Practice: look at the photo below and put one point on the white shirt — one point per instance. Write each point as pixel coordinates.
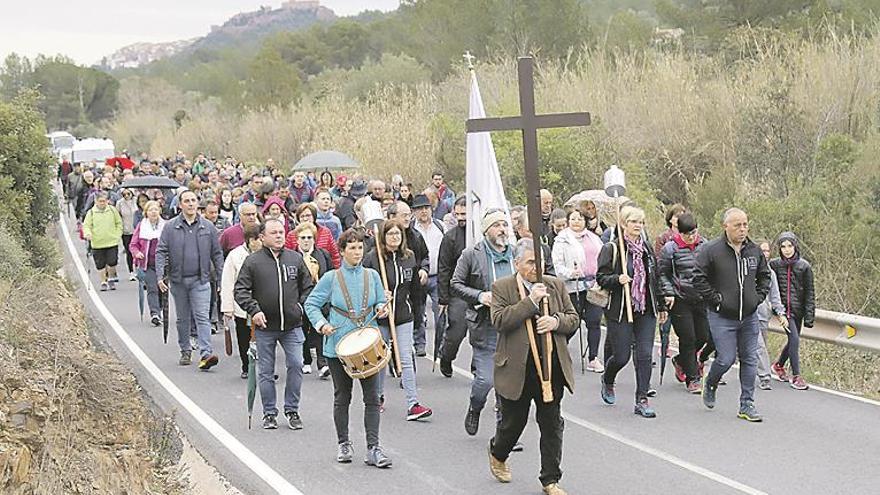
(433, 236)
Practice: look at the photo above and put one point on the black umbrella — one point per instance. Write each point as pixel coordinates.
(150, 182)
(439, 335)
(325, 160)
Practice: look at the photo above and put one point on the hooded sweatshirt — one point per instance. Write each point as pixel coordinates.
(275, 200)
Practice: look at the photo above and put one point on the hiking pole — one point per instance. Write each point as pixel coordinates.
(579, 309)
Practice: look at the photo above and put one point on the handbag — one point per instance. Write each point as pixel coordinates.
(598, 296)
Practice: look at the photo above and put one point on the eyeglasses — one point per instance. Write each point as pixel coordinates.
(396, 233)
(305, 237)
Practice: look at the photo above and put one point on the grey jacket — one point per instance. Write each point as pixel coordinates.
(172, 244)
(469, 280)
(772, 304)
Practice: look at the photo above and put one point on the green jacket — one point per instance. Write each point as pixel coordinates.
(105, 227)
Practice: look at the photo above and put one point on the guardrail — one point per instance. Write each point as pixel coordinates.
(858, 332)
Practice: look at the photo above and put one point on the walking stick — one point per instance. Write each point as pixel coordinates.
(579, 309)
(380, 251)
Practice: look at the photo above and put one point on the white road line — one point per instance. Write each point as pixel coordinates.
(817, 388)
(647, 449)
(236, 448)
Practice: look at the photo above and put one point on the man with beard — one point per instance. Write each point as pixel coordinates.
(478, 268)
(451, 247)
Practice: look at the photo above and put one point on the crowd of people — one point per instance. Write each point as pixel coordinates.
(297, 261)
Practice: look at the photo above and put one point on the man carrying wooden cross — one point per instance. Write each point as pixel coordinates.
(519, 316)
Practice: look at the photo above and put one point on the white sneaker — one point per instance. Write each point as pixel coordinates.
(132, 277)
(307, 369)
(596, 366)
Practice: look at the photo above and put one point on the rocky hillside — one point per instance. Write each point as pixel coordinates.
(246, 28)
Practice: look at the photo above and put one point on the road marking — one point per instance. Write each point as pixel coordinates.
(647, 449)
(236, 448)
(817, 388)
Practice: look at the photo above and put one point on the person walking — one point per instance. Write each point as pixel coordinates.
(272, 285)
(127, 207)
(477, 269)
(233, 314)
(575, 260)
(102, 229)
(686, 307)
(733, 277)
(796, 289)
(366, 300)
(189, 248)
(306, 213)
(432, 232)
(517, 310)
(771, 307)
(451, 247)
(144, 242)
(318, 262)
(641, 281)
(400, 271)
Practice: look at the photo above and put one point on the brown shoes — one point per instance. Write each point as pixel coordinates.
(499, 469)
(554, 489)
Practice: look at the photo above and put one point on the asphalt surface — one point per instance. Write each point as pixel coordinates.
(809, 443)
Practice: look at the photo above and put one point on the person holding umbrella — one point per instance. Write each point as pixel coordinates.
(232, 312)
(575, 255)
(400, 268)
(144, 241)
(272, 285)
(647, 307)
(368, 301)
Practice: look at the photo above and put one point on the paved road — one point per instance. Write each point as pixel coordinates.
(810, 442)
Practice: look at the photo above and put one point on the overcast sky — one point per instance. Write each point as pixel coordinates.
(87, 30)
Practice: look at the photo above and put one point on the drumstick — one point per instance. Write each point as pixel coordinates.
(380, 252)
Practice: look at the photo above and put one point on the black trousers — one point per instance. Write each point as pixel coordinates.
(515, 415)
(129, 259)
(342, 385)
(691, 325)
(314, 340)
(243, 335)
(456, 328)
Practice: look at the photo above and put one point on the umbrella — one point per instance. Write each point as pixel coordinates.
(141, 277)
(163, 299)
(664, 348)
(150, 182)
(252, 375)
(439, 334)
(325, 160)
(606, 206)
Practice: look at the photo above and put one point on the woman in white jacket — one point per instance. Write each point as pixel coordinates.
(575, 256)
(231, 310)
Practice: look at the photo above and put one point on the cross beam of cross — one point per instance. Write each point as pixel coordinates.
(529, 123)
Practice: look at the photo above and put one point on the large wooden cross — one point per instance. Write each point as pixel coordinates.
(529, 123)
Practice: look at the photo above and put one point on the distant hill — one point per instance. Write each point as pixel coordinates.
(246, 28)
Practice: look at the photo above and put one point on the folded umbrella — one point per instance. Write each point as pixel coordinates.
(141, 278)
(252, 375)
(664, 348)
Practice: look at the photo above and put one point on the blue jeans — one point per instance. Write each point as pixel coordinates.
(152, 283)
(192, 301)
(291, 342)
(483, 367)
(404, 345)
(732, 338)
(431, 289)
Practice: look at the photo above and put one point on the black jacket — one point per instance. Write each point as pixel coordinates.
(403, 281)
(796, 289)
(277, 287)
(416, 243)
(676, 268)
(732, 284)
(345, 212)
(454, 242)
(608, 272)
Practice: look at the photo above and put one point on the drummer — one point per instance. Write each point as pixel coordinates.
(364, 302)
(403, 281)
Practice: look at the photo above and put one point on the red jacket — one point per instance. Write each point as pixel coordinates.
(324, 241)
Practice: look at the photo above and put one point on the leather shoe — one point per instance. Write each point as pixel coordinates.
(499, 469)
(446, 368)
(472, 422)
(554, 489)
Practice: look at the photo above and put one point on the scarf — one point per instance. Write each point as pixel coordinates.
(682, 244)
(495, 258)
(639, 278)
(148, 232)
(312, 264)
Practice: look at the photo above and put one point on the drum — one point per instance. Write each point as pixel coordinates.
(363, 352)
